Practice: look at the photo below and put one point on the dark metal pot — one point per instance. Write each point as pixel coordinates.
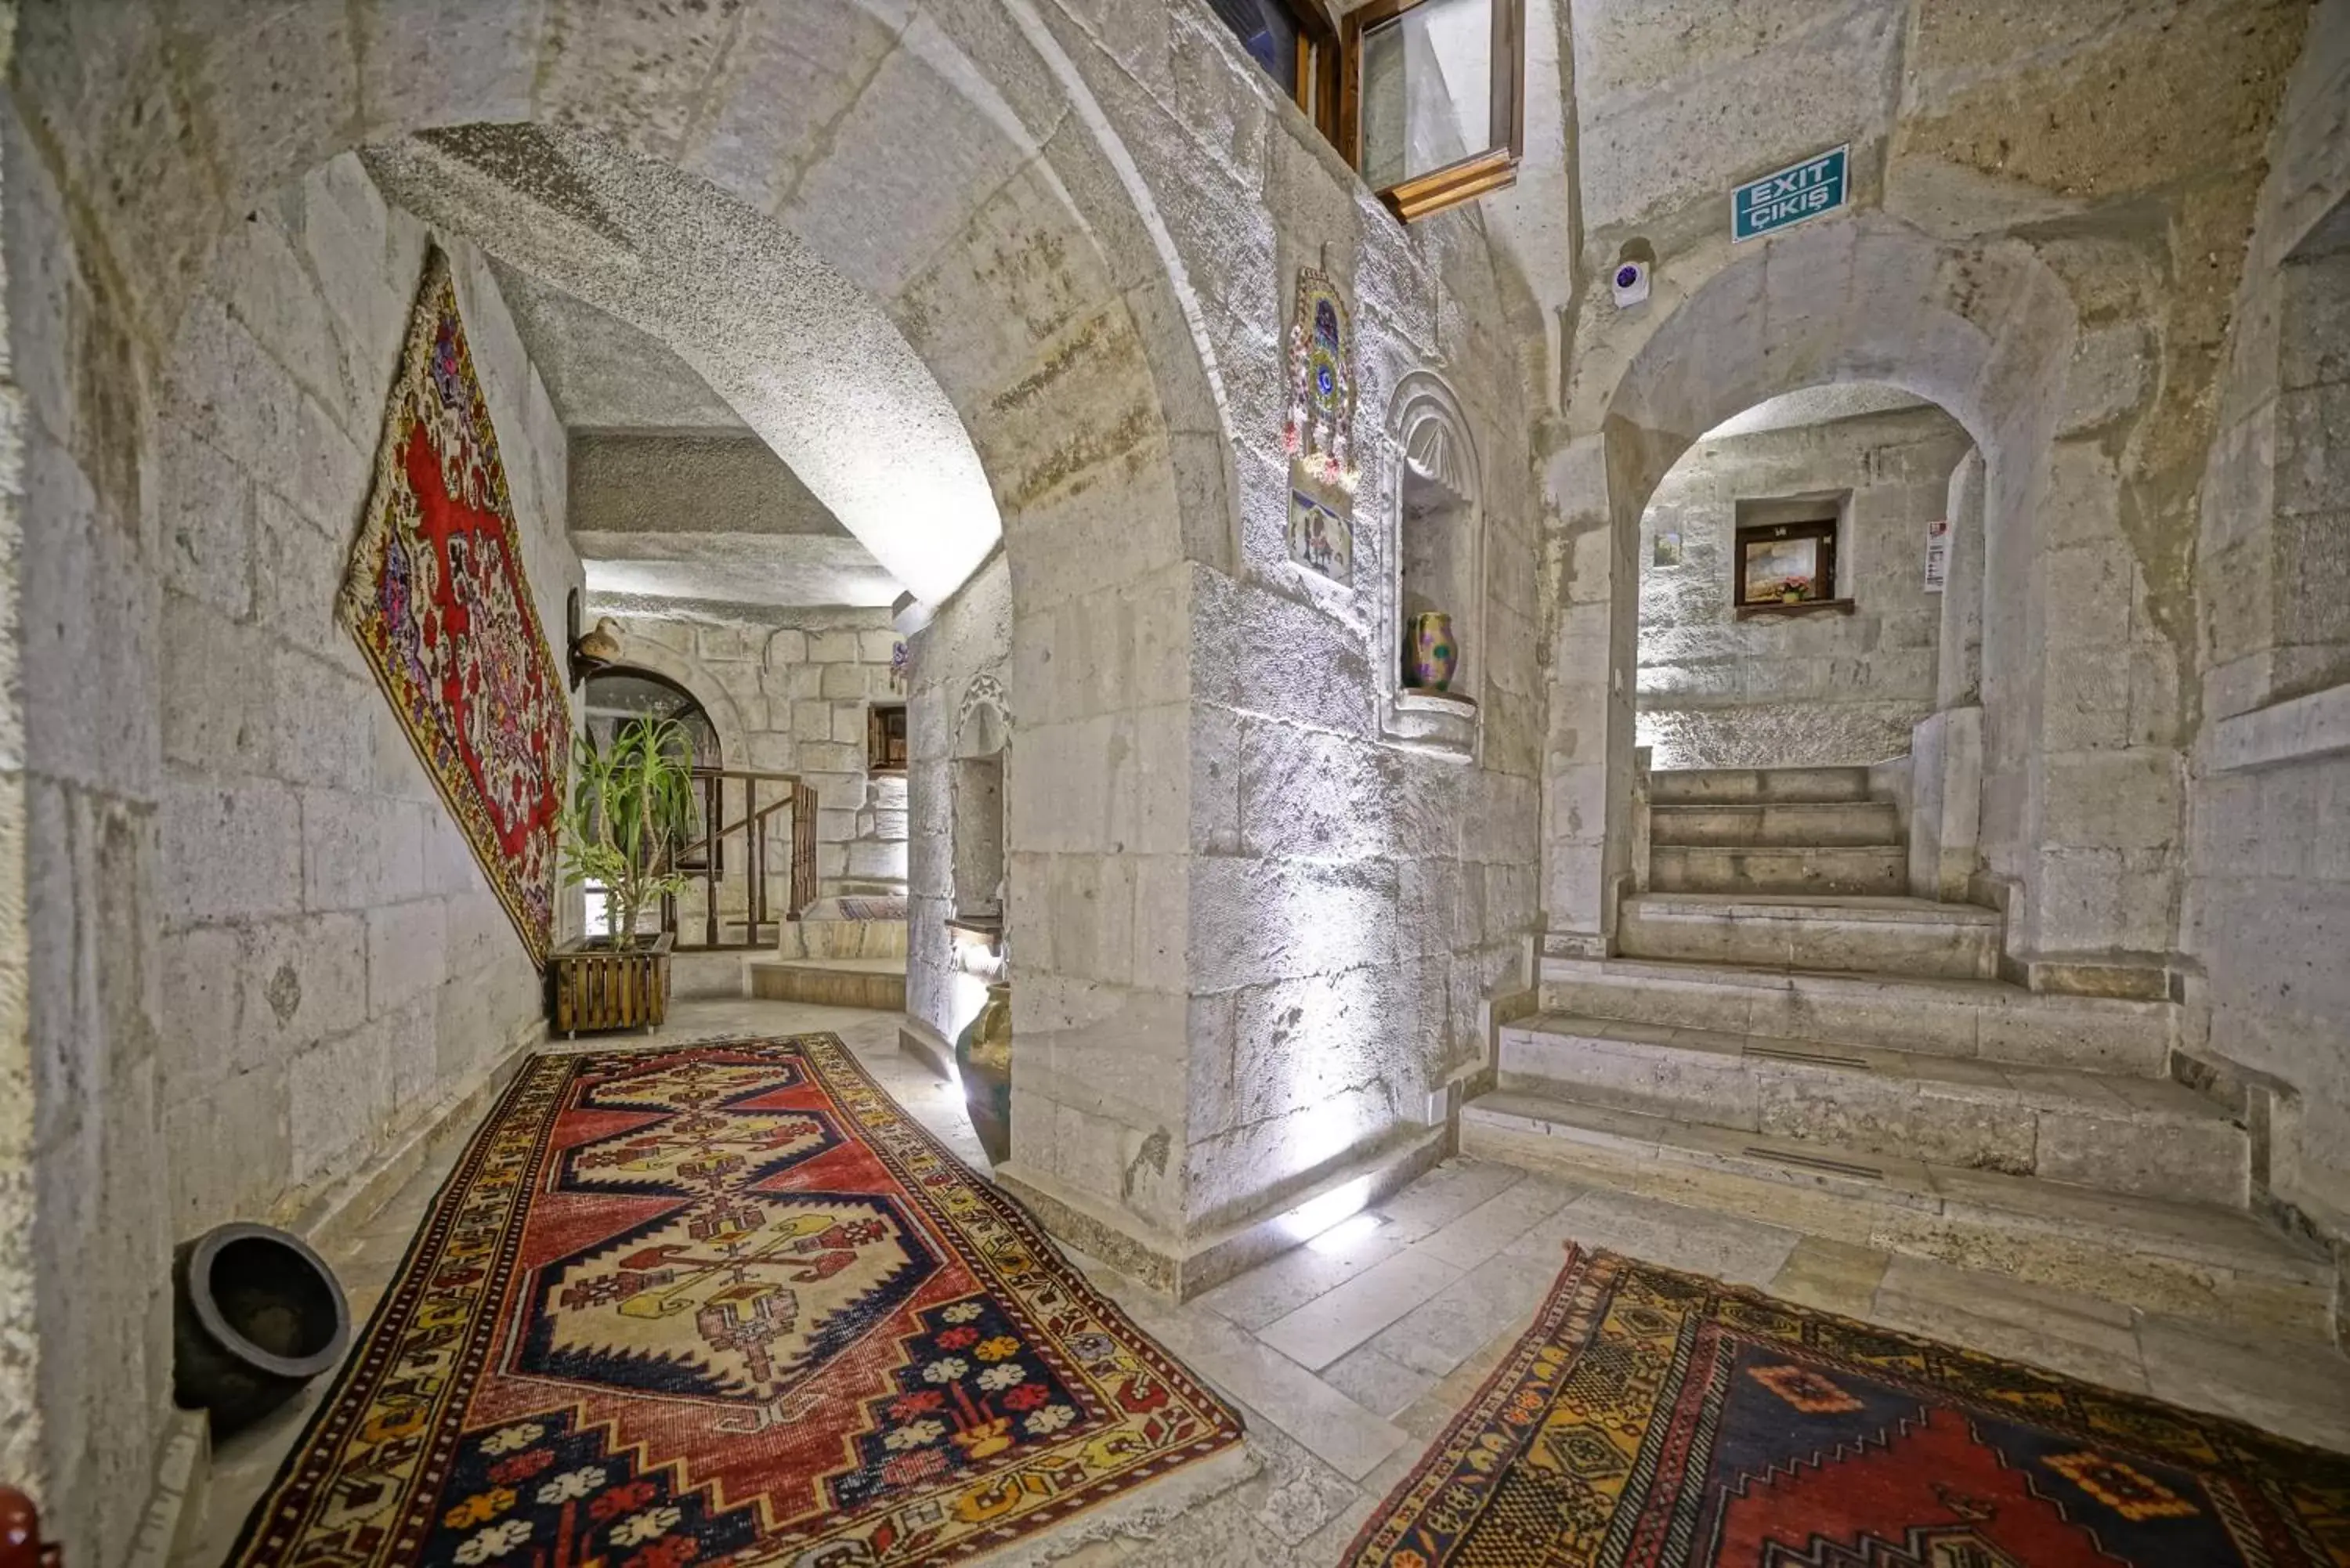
(256, 1314)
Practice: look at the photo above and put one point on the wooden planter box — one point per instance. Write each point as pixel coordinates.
(594, 987)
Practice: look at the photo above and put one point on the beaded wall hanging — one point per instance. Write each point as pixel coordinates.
(1318, 434)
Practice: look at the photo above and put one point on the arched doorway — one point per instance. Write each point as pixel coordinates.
(148, 274)
(1787, 614)
(622, 694)
(1985, 338)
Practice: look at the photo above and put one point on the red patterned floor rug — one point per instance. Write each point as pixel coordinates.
(1658, 1419)
(723, 1303)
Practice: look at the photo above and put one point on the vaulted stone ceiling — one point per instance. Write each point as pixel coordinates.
(1817, 406)
(677, 507)
(804, 355)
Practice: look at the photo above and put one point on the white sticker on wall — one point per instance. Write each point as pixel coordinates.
(1937, 554)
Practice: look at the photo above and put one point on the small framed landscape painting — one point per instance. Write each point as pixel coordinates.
(1786, 564)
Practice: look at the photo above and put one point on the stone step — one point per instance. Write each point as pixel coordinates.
(1824, 870)
(1881, 936)
(1985, 1019)
(2144, 1135)
(1789, 823)
(1694, 786)
(2195, 1260)
(874, 983)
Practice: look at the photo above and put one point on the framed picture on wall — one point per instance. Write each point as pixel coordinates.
(1782, 564)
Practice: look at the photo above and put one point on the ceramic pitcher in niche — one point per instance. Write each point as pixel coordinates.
(1432, 655)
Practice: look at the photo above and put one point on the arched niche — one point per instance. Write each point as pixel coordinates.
(1434, 558)
(979, 795)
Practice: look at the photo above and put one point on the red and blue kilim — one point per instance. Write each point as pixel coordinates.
(723, 1303)
(435, 595)
(1654, 1419)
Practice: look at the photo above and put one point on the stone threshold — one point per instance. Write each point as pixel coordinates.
(2109, 1131)
(1967, 1017)
(1624, 968)
(1856, 909)
(2038, 1086)
(1181, 1269)
(2195, 1260)
(2124, 977)
(2301, 729)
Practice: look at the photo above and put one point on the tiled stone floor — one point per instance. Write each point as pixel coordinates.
(1348, 1354)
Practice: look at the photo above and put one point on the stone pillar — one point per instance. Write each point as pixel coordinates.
(1587, 760)
(1958, 671)
(1946, 756)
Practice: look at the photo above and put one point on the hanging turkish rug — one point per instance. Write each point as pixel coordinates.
(722, 1302)
(436, 596)
(1655, 1419)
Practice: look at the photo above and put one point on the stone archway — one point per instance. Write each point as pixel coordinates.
(688, 674)
(1985, 332)
(1018, 267)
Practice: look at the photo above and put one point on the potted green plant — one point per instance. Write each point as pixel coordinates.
(630, 810)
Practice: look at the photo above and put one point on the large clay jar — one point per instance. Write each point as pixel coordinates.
(1433, 656)
(984, 1060)
(256, 1315)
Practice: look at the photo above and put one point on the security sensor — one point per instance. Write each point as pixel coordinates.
(1631, 281)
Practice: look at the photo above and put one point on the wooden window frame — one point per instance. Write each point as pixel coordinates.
(1314, 85)
(1313, 75)
(1486, 170)
(877, 749)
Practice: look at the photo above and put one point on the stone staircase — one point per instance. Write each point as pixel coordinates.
(1777, 1044)
(1773, 831)
(1795, 868)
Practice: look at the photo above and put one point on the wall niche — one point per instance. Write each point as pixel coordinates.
(976, 803)
(1434, 555)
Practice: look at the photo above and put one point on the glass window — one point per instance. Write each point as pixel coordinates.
(618, 695)
(1269, 32)
(1430, 114)
(1427, 89)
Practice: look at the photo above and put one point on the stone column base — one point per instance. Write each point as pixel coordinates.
(928, 1046)
(1180, 1268)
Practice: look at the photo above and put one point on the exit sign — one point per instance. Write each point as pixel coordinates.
(1800, 191)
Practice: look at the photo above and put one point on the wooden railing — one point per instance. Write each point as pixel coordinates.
(732, 859)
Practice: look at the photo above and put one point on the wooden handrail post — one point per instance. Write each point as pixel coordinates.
(713, 803)
(756, 826)
(754, 861)
(803, 810)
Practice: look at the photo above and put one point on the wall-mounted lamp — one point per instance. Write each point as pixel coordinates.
(909, 615)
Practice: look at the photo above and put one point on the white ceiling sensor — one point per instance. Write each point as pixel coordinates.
(1631, 281)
